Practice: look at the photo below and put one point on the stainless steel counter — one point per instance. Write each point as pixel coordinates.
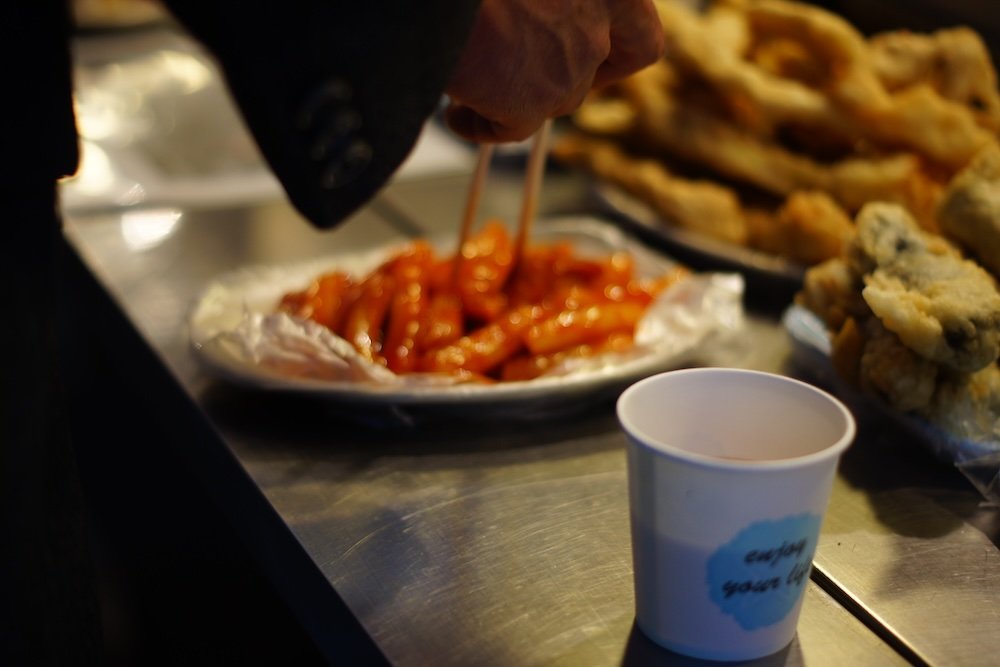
(453, 538)
(467, 541)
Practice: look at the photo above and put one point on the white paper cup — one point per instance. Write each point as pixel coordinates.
(729, 478)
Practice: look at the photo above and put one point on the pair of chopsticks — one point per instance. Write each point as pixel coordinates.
(529, 197)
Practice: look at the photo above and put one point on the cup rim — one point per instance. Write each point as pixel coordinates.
(833, 450)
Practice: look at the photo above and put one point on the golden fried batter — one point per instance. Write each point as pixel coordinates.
(812, 227)
(780, 101)
(955, 62)
(705, 136)
(703, 206)
(832, 290)
(943, 307)
(968, 405)
(850, 82)
(891, 370)
(846, 348)
(970, 210)
(899, 178)
(758, 98)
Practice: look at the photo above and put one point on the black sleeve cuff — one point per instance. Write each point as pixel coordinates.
(335, 93)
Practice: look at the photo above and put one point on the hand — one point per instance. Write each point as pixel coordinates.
(528, 60)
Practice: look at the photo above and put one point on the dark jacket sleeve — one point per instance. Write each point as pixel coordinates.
(335, 92)
(38, 144)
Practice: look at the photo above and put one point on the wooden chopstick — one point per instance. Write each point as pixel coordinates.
(534, 172)
(472, 204)
(532, 185)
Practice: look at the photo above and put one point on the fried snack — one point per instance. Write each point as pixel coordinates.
(943, 307)
(416, 313)
(945, 132)
(873, 359)
(954, 62)
(705, 136)
(968, 405)
(756, 97)
(919, 116)
(848, 99)
(912, 323)
(725, 23)
(847, 346)
(886, 367)
(811, 227)
(787, 59)
(970, 209)
(832, 290)
(850, 83)
(899, 178)
(606, 116)
(775, 98)
(702, 206)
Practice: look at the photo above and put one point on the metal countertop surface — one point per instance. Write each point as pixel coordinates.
(463, 540)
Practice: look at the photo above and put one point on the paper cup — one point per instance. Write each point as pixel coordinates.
(729, 477)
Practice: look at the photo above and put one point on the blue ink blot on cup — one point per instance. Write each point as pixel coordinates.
(758, 576)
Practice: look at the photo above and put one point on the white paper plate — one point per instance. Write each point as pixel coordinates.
(235, 315)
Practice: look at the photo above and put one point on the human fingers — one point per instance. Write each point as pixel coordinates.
(636, 40)
(469, 124)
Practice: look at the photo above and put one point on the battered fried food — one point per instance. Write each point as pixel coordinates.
(705, 136)
(873, 359)
(912, 322)
(703, 206)
(898, 178)
(891, 370)
(846, 96)
(808, 227)
(968, 406)
(955, 62)
(606, 116)
(813, 227)
(850, 83)
(943, 307)
(832, 290)
(785, 102)
(757, 98)
(970, 209)
(923, 120)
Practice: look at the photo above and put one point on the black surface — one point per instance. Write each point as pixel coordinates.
(195, 568)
